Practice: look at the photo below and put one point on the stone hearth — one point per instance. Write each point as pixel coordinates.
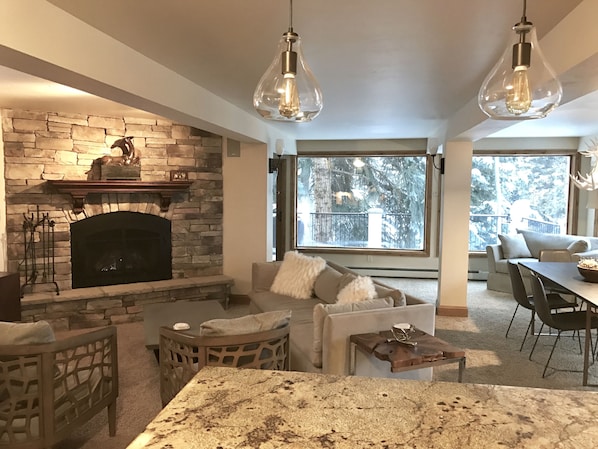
(114, 304)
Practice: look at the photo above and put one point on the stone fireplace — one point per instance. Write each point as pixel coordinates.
(187, 230)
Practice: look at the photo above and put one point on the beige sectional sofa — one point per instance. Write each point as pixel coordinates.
(529, 246)
(323, 345)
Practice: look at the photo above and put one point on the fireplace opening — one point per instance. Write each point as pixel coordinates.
(120, 248)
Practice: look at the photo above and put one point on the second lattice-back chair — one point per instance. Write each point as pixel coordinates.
(182, 354)
(50, 387)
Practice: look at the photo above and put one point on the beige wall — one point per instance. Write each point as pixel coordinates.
(247, 212)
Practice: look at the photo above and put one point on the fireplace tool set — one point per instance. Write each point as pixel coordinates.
(38, 237)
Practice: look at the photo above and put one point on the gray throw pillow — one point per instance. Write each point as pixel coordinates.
(514, 246)
(579, 246)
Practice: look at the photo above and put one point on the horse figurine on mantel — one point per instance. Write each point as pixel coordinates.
(130, 154)
(130, 158)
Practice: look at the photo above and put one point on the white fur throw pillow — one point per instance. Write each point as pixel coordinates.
(359, 289)
(297, 275)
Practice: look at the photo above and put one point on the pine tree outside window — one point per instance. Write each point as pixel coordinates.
(362, 201)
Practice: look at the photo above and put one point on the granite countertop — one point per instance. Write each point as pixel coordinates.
(225, 408)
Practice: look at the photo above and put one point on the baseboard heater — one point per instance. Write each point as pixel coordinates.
(414, 273)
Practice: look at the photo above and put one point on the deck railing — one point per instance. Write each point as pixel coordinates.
(352, 229)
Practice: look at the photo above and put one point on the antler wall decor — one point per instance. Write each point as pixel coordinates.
(590, 180)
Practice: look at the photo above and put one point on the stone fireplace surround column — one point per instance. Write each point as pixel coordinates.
(40, 145)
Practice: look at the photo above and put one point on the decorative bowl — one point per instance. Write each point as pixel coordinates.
(590, 275)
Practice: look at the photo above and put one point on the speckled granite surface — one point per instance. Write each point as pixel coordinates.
(230, 408)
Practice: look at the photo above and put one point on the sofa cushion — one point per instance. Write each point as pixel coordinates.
(247, 324)
(327, 284)
(537, 241)
(322, 310)
(360, 288)
(514, 246)
(297, 275)
(36, 333)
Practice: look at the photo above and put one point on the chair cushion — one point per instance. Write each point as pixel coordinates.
(297, 275)
(514, 246)
(322, 310)
(36, 333)
(246, 324)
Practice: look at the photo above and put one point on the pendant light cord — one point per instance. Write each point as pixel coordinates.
(523, 16)
(291, 16)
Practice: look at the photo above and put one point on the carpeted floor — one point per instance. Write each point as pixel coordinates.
(491, 359)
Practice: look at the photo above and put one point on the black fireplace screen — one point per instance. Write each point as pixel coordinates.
(120, 248)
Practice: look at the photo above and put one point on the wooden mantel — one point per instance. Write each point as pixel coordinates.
(79, 189)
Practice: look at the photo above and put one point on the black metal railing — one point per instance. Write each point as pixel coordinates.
(346, 229)
(340, 229)
(542, 226)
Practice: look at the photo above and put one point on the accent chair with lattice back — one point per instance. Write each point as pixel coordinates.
(259, 341)
(49, 387)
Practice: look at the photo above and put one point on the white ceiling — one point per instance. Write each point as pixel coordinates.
(387, 68)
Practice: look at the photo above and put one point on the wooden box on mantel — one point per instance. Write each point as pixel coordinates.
(117, 172)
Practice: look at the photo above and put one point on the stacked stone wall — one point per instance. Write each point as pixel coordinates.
(40, 146)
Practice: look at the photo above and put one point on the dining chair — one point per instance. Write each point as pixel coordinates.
(564, 321)
(556, 255)
(555, 301)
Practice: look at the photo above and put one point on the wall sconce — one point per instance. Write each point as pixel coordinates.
(274, 163)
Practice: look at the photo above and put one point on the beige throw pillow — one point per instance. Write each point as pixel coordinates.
(297, 275)
(322, 310)
(36, 333)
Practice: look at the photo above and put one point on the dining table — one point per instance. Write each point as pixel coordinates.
(567, 276)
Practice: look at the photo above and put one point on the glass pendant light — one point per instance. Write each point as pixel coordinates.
(521, 85)
(288, 91)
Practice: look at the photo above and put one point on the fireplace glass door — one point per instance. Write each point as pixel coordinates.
(120, 248)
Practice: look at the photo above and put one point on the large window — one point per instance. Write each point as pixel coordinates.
(375, 202)
(517, 192)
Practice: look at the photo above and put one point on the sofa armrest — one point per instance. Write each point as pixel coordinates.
(495, 254)
(263, 274)
(340, 326)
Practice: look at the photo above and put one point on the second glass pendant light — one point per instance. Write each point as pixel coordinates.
(288, 91)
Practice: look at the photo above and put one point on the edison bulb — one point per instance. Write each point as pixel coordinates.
(289, 97)
(519, 96)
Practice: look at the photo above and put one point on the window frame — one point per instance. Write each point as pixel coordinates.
(429, 171)
(573, 195)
